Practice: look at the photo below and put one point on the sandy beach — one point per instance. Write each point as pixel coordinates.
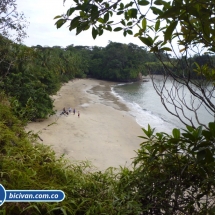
(104, 134)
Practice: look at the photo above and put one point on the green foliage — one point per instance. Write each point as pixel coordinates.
(175, 173)
(195, 20)
(157, 67)
(25, 113)
(7, 56)
(118, 62)
(35, 74)
(30, 98)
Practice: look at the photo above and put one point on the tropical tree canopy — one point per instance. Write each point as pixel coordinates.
(190, 22)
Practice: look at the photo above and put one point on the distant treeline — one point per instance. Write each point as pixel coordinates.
(29, 75)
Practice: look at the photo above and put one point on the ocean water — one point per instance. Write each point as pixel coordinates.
(146, 107)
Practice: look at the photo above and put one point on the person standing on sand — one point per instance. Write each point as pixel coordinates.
(78, 114)
(64, 111)
(74, 111)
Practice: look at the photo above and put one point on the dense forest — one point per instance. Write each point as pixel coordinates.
(171, 173)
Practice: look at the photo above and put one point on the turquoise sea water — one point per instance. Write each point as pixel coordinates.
(146, 107)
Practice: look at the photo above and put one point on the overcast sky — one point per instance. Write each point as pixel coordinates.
(42, 31)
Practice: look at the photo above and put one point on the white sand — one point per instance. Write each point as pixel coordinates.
(105, 133)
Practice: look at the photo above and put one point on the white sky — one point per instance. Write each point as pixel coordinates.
(42, 31)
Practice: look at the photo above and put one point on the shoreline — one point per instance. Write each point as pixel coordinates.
(104, 134)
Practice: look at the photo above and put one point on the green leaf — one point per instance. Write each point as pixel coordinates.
(189, 136)
(58, 209)
(60, 22)
(176, 133)
(166, 49)
(32, 206)
(106, 17)
(143, 137)
(123, 22)
(189, 128)
(201, 155)
(199, 131)
(209, 156)
(157, 25)
(132, 13)
(82, 14)
(212, 126)
(126, 15)
(205, 144)
(169, 30)
(171, 12)
(94, 13)
(129, 23)
(84, 26)
(114, 6)
(70, 11)
(144, 22)
(94, 33)
(101, 20)
(109, 28)
(117, 29)
(121, 6)
(100, 32)
(146, 41)
(129, 4)
(130, 32)
(149, 133)
(156, 39)
(154, 49)
(79, 29)
(143, 2)
(56, 17)
(156, 11)
(137, 34)
(110, 22)
(120, 12)
(158, 2)
(207, 134)
(74, 23)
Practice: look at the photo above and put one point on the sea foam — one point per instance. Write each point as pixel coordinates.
(144, 117)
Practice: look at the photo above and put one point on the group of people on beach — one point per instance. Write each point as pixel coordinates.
(69, 111)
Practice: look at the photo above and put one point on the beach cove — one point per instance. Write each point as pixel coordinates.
(104, 134)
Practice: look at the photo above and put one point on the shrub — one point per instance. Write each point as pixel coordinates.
(174, 174)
